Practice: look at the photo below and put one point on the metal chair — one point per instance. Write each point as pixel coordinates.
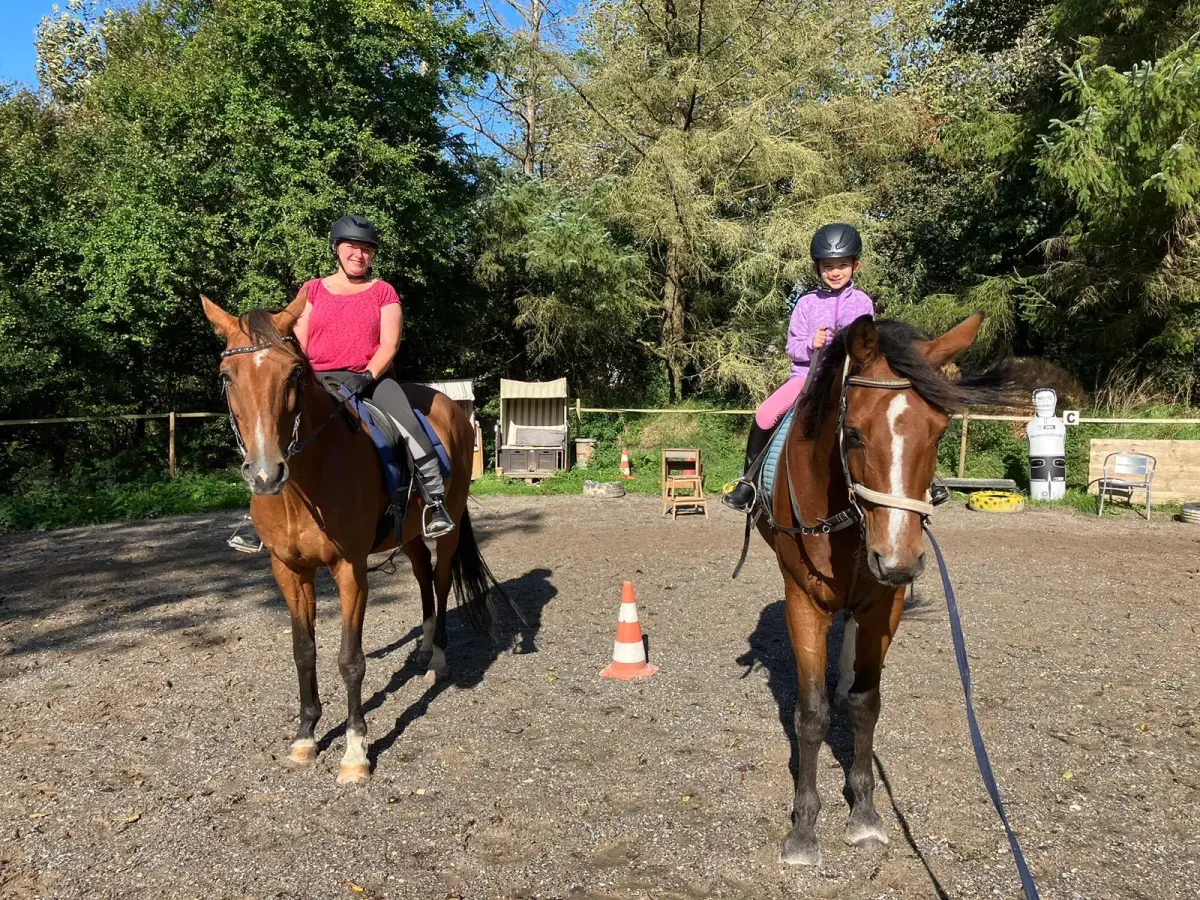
(1124, 473)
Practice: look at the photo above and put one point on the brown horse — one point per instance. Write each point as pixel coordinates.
(846, 526)
(317, 497)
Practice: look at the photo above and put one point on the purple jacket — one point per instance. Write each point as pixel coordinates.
(822, 308)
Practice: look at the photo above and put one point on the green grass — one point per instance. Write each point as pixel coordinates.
(43, 503)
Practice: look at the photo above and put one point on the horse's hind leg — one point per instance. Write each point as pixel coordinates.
(299, 591)
(351, 579)
(442, 578)
(422, 566)
(876, 627)
(808, 627)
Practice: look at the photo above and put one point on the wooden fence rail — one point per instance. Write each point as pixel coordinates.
(966, 417)
(580, 410)
(171, 417)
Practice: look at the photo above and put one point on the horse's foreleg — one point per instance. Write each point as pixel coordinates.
(876, 627)
(351, 579)
(808, 627)
(299, 591)
(422, 568)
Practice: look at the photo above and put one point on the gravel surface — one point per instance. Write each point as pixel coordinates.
(147, 695)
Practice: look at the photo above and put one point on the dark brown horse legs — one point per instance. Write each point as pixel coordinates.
(351, 579)
(874, 632)
(422, 566)
(809, 628)
(300, 592)
(865, 826)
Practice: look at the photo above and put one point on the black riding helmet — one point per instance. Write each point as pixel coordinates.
(836, 241)
(353, 228)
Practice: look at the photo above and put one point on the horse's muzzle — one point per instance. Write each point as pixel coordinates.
(897, 573)
(265, 478)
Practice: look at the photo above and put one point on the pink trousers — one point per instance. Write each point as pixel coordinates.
(773, 408)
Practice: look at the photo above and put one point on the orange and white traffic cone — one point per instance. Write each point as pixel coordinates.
(626, 472)
(629, 653)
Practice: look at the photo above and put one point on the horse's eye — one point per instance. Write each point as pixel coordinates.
(854, 438)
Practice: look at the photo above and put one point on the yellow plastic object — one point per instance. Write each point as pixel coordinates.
(996, 501)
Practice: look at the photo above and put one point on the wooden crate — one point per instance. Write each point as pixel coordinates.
(1176, 476)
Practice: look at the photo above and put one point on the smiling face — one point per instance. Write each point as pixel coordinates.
(837, 273)
(264, 391)
(355, 258)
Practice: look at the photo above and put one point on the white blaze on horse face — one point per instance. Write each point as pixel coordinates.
(260, 438)
(896, 517)
(259, 357)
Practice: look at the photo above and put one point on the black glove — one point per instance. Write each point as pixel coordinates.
(357, 383)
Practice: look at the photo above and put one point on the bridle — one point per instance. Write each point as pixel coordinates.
(857, 492)
(295, 445)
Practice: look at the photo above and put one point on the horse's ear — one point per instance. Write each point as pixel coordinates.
(952, 344)
(862, 342)
(286, 320)
(224, 323)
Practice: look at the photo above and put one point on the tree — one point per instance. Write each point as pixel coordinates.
(725, 132)
(208, 149)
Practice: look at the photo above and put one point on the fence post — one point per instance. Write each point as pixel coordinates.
(962, 449)
(171, 442)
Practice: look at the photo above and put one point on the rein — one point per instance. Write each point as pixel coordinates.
(295, 445)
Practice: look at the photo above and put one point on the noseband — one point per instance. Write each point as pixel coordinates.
(296, 445)
(857, 492)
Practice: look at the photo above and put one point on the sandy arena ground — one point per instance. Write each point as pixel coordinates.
(147, 694)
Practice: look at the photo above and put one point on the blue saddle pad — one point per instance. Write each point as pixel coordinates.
(770, 466)
(394, 457)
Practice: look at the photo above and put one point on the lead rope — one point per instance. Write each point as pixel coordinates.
(981, 754)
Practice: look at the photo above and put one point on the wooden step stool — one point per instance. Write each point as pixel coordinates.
(682, 482)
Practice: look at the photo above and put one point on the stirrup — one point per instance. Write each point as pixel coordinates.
(431, 530)
(938, 493)
(730, 487)
(240, 543)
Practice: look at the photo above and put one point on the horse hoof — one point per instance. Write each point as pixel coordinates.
(303, 753)
(800, 851)
(354, 773)
(860, 834)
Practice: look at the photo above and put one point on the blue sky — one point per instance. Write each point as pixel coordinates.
(18, 19)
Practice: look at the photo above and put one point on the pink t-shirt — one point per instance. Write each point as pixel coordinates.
(343, 330)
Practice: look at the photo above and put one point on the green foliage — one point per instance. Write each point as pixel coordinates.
(577, 292)
(207, 147)
(1063, 182)
(42, 500)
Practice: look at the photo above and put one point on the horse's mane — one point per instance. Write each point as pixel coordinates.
(898, 344)
(259, 325)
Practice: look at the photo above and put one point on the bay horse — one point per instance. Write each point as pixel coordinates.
(845, 522)
(317, 497)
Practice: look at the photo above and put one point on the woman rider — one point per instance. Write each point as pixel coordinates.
(350, 329)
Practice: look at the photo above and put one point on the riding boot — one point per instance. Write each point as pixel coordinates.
(437, 521)
(742, 496)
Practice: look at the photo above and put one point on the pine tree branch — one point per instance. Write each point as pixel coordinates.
(600, 115)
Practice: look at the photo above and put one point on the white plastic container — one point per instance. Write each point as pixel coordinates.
(1047, 449)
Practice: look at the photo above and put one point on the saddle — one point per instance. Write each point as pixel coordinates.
(395, 460)
(764, 479)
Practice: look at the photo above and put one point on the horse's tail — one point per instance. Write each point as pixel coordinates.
(473, 580)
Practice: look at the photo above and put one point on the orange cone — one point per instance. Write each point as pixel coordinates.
(626, 472)
(629, 653)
